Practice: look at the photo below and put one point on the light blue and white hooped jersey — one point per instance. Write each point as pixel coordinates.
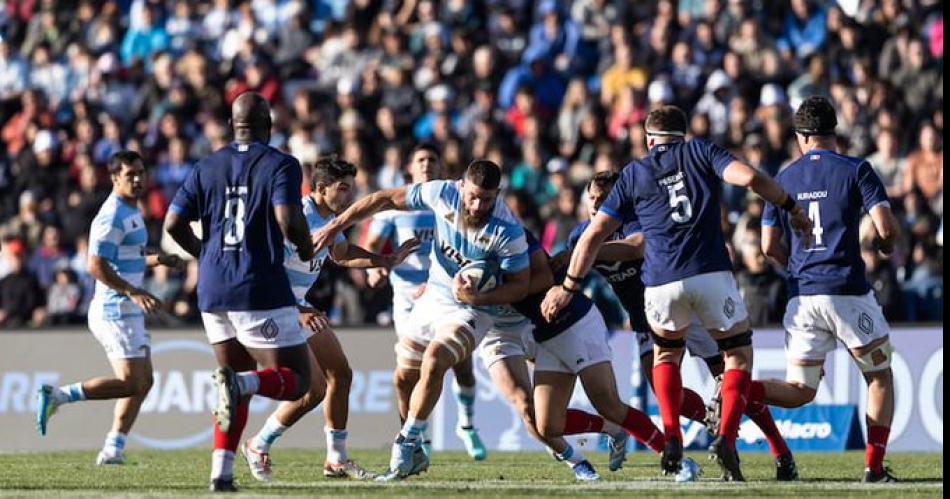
(500, 240)
(303, 274)
(118, 235)
(397, 227)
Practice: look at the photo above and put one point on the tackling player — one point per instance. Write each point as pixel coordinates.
(620, 261)
(674, 195)
(451, 317)
(831, 298)
(331, 193)
(117, 261)
(408, 281)
(247, 197)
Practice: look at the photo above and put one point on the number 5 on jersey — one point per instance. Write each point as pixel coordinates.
(234, 216)
(682, 208)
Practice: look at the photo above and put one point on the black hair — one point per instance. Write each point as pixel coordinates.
(816, 116)
(426, 146)
(122, 158)
(483, 173)
(330, 169)
(605, 180)
(667, 120)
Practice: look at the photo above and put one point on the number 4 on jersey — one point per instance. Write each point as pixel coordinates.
(815, 215)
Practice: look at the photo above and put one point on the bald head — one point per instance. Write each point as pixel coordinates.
(250, 118)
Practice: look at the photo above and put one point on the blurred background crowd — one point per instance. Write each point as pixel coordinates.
(553, 90)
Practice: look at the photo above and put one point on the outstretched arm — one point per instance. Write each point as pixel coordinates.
(742, 175)
(390, 199)
(352, 256)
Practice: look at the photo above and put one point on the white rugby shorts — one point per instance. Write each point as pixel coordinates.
(275, 328)
(504, 342)
(813, 324)
(712, 297)
(124, 338)
(437, 309)
(582, 345)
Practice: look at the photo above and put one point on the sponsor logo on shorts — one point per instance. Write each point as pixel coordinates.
(580, 361)
(270, 330)
(866, 324)
(729, 308)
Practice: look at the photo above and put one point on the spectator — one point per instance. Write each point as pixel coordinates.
(21, 297)
(623, 73)
(49, 257)
(883, 279)
(888, 165)
(918, 79)
(761, 288)
(924, 168)
(63, 299)
(803, 33)
(140, 43)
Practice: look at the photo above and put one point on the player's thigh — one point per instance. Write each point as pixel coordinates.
(231, 353)
(460, 330)
(122, 338)
(667, 307)
(511, 379)
(716, 301)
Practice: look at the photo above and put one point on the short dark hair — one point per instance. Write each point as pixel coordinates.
(816, 116)
(666, 120)
(122, 158)
(426, 146)
(330, 169)
(605, 180)
(483, 173)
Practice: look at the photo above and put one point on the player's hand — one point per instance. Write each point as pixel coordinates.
(324, 237)
(313, 319)
(403, 251)
(145, 300)
(801, 225)
(376, 277)
(554, 301)
(419, 292)
(463, 289)
(172, 261)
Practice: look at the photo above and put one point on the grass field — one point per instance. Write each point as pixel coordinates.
(502, 474)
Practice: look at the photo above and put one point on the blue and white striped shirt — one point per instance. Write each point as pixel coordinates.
(302, 274)
(118, 235)
(398, 227)
(500, 240)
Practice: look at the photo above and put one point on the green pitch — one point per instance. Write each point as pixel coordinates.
(502, 474)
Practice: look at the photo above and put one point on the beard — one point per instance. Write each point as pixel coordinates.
(475, 221)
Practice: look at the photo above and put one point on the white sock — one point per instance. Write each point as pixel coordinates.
(412, 430)
(269, 433)
(336, 445)
(222, 464)
(570, 457)
(68, 393)
(248, 382)
(465, 397)
(114, 444)
(426, 438)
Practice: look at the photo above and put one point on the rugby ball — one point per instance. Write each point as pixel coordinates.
(484, 273)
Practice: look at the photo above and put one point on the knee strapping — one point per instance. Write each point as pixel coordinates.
(459, 344)
(808, 376)
(878, 359)
(409, 355)
(738, 341)
(666, 342)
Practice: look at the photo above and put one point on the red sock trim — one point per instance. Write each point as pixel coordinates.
(641, 427)
(762, 417)
(278, 384)
(876, 447)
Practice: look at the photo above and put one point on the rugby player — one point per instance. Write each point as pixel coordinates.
(408, 282)
(331, 193)
(674, 195)
(117, 261)
(247, 198)
(831, 298)
(451, 317)
(620, 261)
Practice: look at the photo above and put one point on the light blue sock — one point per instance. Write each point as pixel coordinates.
(465, 397)
(269, 434)
(413, 428)
(570, 457)
(114, 444)
(69, 393)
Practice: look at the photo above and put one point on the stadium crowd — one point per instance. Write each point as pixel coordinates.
(552, 90)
